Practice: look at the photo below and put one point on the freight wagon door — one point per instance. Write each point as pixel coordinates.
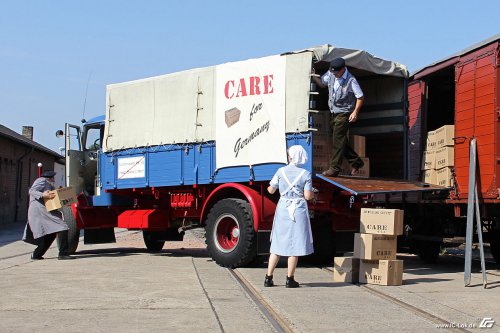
(477, 115)
(416, 104)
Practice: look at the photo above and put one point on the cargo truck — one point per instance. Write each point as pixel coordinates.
(197, 148)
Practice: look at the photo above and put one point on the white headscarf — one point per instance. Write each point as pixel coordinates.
(297, 154)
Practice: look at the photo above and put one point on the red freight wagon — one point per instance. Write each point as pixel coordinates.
(461, 90)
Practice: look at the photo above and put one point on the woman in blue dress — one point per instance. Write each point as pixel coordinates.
(291, 235)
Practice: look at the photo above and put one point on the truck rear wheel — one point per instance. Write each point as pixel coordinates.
(73, 231)
(495, 247)
(152, 240)
(230, 236)
(428, 251)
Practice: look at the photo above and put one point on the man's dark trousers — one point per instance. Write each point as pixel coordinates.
(46, 241)
(341, 148)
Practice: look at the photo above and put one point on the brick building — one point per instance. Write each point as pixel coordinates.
(19, 158)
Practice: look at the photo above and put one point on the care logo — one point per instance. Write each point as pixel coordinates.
(487, 322)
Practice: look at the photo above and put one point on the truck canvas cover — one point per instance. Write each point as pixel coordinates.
(247, 107)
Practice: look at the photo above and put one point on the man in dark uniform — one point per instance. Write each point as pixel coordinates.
(46, 225)
(345, 100)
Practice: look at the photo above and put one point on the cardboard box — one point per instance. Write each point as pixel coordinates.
(430, 176)
(364, 172)
(444, 177)
(345, 269)
(375, 247)
(321, 122)
(65, 196)
(321, 146)
(431, 140)
(429, 160)
(445, 157)
(381, 272)
(381, 221)
(444, 136)
(358, 143)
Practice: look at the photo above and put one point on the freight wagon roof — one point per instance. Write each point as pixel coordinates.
(358, 59)
(452, 59)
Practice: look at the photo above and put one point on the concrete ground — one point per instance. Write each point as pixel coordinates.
(122, 288)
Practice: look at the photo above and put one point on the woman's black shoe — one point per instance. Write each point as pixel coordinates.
(291, 283)
(268, 281)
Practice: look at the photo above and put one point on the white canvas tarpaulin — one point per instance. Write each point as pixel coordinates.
(182, 107)
(250, 112)
(358, 59)
(168, 109)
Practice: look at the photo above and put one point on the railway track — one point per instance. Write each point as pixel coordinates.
(281, 324)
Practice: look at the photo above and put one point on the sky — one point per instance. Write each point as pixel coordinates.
(57, 56)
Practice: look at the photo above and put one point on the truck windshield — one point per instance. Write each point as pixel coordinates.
(93, 138)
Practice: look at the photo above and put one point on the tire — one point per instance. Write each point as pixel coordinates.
(73, 231)
(324, 243)
(495, 248)
(428, 251)
(229, 233)
(152, 241)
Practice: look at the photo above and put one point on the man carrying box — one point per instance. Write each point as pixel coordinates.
(46, 225)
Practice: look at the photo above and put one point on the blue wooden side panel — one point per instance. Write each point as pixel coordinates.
(188, 164)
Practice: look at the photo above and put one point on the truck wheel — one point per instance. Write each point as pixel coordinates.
(230, 237)
(73, 231)
(495, 248)
(323, 242)
(428, 251)
(152, 241)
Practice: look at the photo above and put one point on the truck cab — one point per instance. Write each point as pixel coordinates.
(82, 154)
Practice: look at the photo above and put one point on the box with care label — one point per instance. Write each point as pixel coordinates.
(381, 221)
(381, 272)
(345, 269)
(375, 247)
(444, 177)
(65, 196)
(430, 176)
(431, 140)
(429, 160)
(445, 157)
(444, 136)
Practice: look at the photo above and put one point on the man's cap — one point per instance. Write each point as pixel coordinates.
(337, 64)
(48, 174)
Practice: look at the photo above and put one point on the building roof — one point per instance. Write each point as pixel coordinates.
(10, 134)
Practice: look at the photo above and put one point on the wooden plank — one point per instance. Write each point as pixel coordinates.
(361, 186)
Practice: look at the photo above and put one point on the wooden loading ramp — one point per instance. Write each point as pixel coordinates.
(364, 186)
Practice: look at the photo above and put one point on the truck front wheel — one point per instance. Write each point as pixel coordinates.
(229, 233)
(73, 231)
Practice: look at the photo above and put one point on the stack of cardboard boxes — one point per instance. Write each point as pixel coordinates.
(322, 147)
(375, 248)
(438, 158)
(322, 141)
